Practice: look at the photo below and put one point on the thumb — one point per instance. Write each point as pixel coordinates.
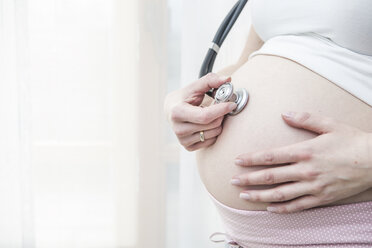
(312, 122)
(209, 81)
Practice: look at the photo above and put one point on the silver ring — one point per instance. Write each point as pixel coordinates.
(201, 136)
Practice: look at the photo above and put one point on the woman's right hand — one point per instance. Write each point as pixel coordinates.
(188, 118)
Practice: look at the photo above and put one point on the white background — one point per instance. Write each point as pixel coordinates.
(73, 80)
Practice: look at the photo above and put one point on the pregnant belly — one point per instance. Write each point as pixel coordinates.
(276, 85)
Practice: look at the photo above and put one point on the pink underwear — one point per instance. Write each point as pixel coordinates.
(337, 226)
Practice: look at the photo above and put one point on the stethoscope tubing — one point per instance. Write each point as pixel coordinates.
(230, 21)
(220, 37)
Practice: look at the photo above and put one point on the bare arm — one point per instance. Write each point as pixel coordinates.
(253, 43)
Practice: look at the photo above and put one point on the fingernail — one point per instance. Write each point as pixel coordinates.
(272, 209)
(238, 161)
(235, 181)
(245, 196)
(289, 115)
(232, 106)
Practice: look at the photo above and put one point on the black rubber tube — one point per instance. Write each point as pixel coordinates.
(220, 36)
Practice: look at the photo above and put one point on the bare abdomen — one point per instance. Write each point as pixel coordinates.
(275, 85)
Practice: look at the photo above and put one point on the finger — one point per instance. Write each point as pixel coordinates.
(200, 145)
(312, 122)
(207, 82)
(287, 154)
(296, 205)
(195, 114)
(183, 129)
(280, 193)
(195, 138)
(282, 174)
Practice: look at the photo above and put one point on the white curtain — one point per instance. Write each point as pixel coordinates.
(198, 218)
(85, 160)
(16, 225)
(68, 165)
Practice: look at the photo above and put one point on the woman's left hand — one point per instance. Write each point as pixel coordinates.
(332, 166)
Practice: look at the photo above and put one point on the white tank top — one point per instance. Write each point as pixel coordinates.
(331, 37)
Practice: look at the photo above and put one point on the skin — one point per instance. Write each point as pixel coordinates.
(312, 163)
(335, 165)
(260, 126)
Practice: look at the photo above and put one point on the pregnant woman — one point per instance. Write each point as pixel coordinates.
(281, 178)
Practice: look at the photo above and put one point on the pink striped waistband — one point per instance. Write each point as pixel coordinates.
(337, 226)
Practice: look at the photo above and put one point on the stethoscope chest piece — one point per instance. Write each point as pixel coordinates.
(225, 93)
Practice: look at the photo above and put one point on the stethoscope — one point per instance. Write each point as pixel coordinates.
(225, 93)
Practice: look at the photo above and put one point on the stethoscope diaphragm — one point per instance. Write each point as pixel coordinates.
(225, 93)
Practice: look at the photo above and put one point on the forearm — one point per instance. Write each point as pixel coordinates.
(253, 44)
(229, 70)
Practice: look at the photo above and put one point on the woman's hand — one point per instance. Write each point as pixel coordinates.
(335, 165)
(188, 118)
